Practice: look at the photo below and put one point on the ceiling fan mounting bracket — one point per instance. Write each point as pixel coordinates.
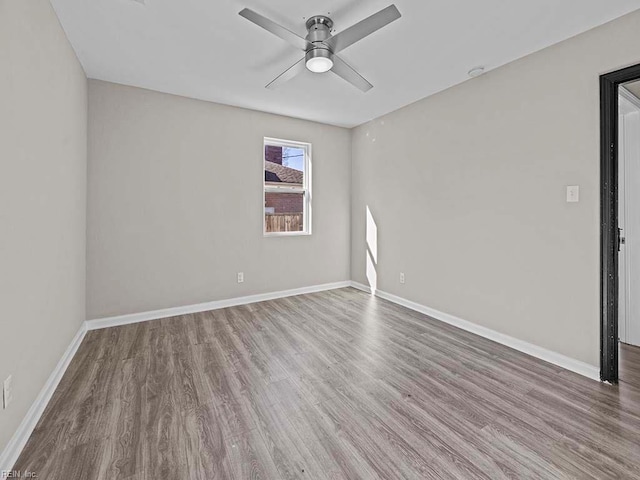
(318, 22)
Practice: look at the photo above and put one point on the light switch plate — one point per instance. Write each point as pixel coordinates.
(573, 193)
(240, 277)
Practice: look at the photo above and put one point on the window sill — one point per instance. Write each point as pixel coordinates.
(287, 234)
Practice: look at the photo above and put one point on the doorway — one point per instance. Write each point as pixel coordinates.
(620, 225)
(629, 225)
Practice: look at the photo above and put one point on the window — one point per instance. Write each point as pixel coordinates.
(287, 187)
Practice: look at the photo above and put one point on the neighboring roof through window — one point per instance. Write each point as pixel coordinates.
(276, 173)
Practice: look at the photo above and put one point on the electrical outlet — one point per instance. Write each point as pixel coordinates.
(7, 392)
(240, 277)
(402, 278)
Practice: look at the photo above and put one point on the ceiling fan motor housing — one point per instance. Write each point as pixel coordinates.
(319, 58)
(319, 28)
(320, 51)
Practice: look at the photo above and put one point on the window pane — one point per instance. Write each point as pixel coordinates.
(287, 190)
(283, 212)
(283, 166)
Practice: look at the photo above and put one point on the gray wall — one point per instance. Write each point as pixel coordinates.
(43, 119)
(467, 189)
(175, 203)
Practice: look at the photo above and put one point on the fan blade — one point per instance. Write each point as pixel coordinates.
(277, 30)
(288, 74)
(342, 69)
(363, 28)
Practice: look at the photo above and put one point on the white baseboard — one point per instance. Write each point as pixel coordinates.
(13, 449)
(205, 307)
(568, 363)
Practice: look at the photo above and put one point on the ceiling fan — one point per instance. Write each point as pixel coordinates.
(321, 47)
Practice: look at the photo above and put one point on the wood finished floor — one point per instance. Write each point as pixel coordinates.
(629, 365)
(333, 385)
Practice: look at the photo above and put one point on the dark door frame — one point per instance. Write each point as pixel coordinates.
(609, 233)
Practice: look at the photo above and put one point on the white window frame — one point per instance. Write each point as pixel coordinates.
(305, 189)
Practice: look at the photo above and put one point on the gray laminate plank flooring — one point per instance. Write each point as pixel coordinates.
(332, 385)
(629, 364)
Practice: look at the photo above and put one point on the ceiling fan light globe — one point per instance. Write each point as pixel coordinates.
(319, 64)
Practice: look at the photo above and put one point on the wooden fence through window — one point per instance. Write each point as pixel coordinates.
(283, 222)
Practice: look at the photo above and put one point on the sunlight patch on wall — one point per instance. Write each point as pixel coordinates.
(372, 236)
(372, 251)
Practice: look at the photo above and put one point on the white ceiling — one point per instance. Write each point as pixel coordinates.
(204, 49)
